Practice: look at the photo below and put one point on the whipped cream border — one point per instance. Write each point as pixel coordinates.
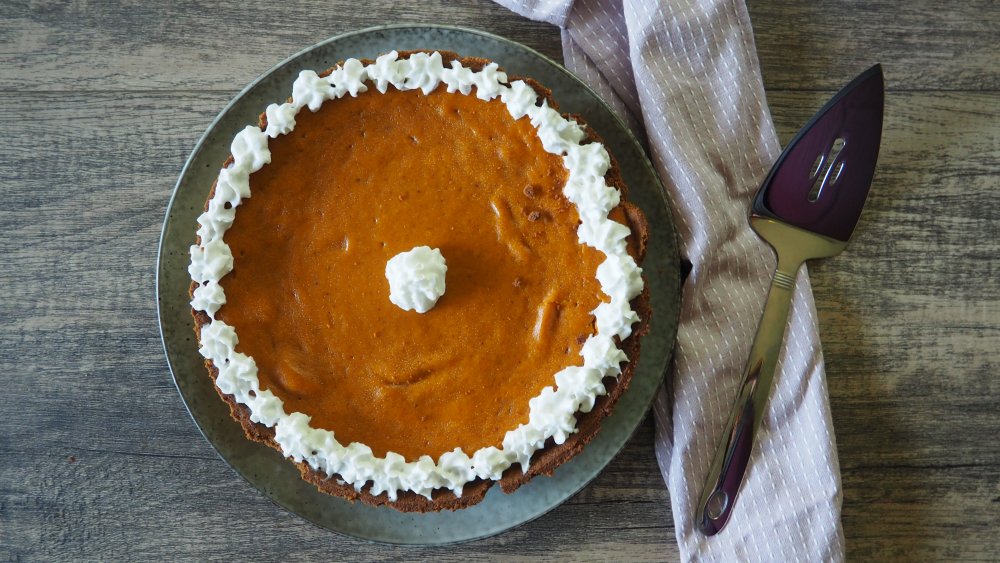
(552, 412)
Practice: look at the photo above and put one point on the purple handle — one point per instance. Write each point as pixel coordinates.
(721, 498)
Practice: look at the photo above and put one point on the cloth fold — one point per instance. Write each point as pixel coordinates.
(685, 74)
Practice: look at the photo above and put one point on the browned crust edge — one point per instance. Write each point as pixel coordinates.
(544, 461)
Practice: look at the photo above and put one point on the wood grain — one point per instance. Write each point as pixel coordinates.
(101, 103)
(208, 46)
(924, 45)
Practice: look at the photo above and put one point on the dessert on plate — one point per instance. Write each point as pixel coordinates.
(416, 278)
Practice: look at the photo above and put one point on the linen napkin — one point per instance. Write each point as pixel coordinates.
(685, 74)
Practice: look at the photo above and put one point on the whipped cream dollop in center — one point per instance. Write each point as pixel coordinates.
(416, 278)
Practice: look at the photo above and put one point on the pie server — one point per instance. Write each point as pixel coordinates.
(806, 208)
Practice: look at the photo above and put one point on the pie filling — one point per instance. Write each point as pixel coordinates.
(364, 179)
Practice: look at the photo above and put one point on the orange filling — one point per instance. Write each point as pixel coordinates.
(364, 179)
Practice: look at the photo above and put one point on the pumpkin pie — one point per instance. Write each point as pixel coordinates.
(510, 218)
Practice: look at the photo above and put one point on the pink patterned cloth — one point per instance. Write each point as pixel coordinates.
(685, 74)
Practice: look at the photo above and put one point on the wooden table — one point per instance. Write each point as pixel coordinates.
(103, 101)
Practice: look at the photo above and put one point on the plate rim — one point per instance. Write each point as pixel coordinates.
(660, 190)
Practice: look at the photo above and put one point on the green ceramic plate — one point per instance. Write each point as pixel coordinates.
(265, 468)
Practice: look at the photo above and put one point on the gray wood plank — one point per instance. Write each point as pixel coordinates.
(921, 513)
(924, 44)
(207, 46)
(73, 502)
(802, 45)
